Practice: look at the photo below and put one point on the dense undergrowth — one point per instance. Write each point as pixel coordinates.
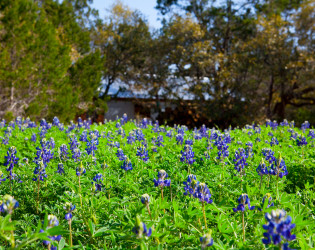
(92, 177)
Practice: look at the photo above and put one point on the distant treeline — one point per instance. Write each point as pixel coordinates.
(234, 62)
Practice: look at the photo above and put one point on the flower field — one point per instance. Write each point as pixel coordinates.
(127, 185)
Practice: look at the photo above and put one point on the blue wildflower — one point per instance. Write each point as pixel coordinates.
(187, 155)
(142, 152)
(60, 169)
(278, 168)
(242, 201)
(11, 160)
(127, 165)
(69, 209)
(80, 170)
(97, 182)
(269, 203)
(278, 228)
(120, 154)
(141, 229)
(301, 141)
(190, 185)
(202, 193)
(8, 204)
(162, 181)
(206, 240)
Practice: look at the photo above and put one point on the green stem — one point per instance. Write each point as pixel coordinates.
(162, 197)
(70, 235)
(80, 192)
(243, 223)
(261, 178)
(204, 214)
(38, 186)
(148, 208)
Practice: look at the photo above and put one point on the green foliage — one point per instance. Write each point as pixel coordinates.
(106, 219)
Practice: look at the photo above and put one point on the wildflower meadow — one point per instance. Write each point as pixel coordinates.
(128, 184)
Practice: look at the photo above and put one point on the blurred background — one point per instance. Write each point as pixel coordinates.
(187, 62)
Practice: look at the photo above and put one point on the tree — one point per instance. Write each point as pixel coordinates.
(122, 38)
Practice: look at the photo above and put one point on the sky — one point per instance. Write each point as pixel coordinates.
(145, 6)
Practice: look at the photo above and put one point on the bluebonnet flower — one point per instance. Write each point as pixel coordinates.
(269, 155)
(294, 135)
(83, 136)
(52, 222)
(197, 136)
(141, 229)
(278, 168)
(5, 140)
(120, 154)
(305, 125)
(269, 203)
(311, 134)
(145, 199)
(249, 149)
(118, 125)
(273, 125)
(63, 152)
(258, 139)
(301, 141)
(202, 193)
(73, 142)
(60, 169)
(179, 138)
(144, 123)
(190, 185)
(11, 160)
(33, 137)
(278, 228)
(8, 131)
(139, 135)
(242, 201)
(270, 134)
(258, 130)
(121, 132)
(189, 142)
(42, 133)
(154, 149)
(127, 165)
(262, 169)
(274, 141)
(284, 123)
(97, 182)
(8, 204)
(206, 240)
(124, 118)
(43, 123)
(162, 181)
(43, 153)
(169, 133)
(131, 137)
(69, 209)
(221, 143)
(40, 171)
(80, 170)
(91, 145)
(56, 121)
(76, 154)
(206, 155)
(159, 141)
(187, 155)
(142, 152)
(203, 131)
(1, 177)
(240, 161)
